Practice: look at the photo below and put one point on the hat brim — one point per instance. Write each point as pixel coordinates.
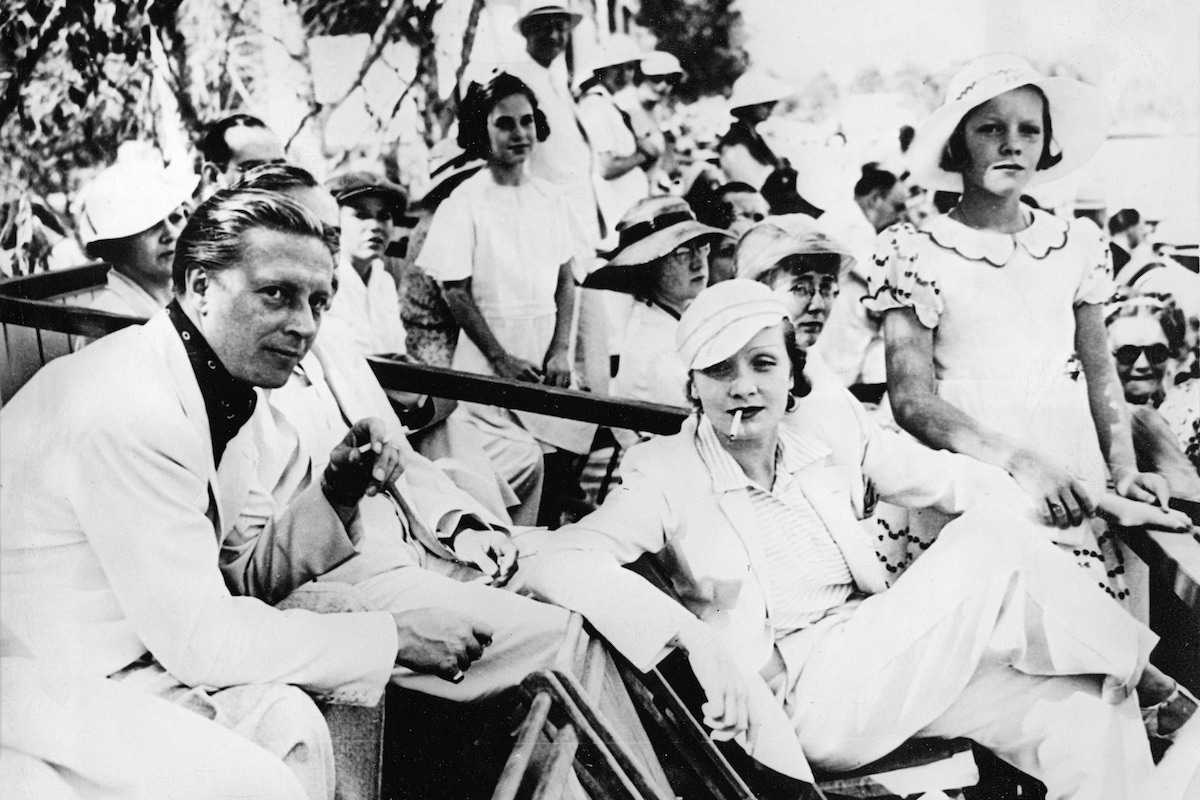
(574, 17)
(732, 338)
(399, 201)
(768, 258)
(1079, 114)
(621, 272)
(175, 193)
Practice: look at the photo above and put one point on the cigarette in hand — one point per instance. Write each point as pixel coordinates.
(363, 448)
(735, 427)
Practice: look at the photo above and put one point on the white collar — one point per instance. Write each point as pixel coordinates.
(1045, 234)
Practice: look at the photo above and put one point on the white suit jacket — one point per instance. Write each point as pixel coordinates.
(114, 521)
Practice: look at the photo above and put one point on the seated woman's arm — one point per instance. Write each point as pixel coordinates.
(468, 316)
(919, 410)
(1110, 412)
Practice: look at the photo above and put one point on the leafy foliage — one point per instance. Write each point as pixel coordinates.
(706, 37)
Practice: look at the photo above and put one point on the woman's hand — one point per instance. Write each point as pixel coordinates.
(1145, 487)
(1132, 514)
(491, 551)
(557, 369)
(517, 369)
(1060, 498)
(727, 707)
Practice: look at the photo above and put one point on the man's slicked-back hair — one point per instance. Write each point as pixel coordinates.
(213, 239)
(276, 177)
(215, 148)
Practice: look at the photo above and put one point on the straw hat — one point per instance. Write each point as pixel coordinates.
(545, 8)
(619, 49)
(776, 238)
(1079, 114)
(722, 319)
(756, 87)
(130, 197)
(654, 227)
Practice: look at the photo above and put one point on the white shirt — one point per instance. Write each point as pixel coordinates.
(564, 158)
(650, 368)
(123, 296)
(608, 133)
(368, 313)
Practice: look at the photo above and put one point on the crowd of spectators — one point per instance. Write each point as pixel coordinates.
(915, 438)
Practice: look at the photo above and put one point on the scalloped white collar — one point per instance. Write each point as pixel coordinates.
(1045, 234)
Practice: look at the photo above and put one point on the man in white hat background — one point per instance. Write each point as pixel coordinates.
(621, 157)
(131, 215)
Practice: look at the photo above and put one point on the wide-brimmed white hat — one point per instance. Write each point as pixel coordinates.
(619, 49)
(776, 238)
(654, 227)
(723, 318)
(546, 8)
(1079, 114)
(756, 87)
(130, 197)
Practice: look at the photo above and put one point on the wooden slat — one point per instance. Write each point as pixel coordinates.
(490, 390)
(523, 761)
(57, 282)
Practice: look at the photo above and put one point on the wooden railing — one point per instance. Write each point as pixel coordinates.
(40, 303)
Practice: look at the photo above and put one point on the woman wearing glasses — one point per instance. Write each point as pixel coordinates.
(1147, 337)
(662, 260)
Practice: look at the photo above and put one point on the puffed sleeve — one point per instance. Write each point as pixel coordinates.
(449, 248)
(900, 278)
(1096, 283)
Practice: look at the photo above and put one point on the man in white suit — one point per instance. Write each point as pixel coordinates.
(128, 475)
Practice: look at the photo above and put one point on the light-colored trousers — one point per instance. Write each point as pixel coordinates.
(280, 719)
(990, 635)
(526, 634)
(78, 736)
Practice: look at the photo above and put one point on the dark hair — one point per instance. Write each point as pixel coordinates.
(796, 355)
(703, 196)
(955, 157)
(723, 212)
(874, 179)
(212, 240)
(276, 177)
(907, 134)
(1123, 220)
(215, 148)
(478, 104)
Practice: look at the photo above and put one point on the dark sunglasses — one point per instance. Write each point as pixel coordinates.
(1156, 354)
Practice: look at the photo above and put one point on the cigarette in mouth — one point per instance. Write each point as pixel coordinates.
(735, 427)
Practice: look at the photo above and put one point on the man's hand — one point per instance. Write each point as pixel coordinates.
(364, 462)
(440, 642)
(558, 369)
(491, 551)
(727, 709)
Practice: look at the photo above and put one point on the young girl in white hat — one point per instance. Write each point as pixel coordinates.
(994, 315)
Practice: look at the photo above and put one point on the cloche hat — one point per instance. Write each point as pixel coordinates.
(756, 87)
(659, 63)
(130, 197)
(654, 227)
(1079, 113)
(722, 319)
(619, 49)
(775, 238)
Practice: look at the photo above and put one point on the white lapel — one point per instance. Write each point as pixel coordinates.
(828, 489)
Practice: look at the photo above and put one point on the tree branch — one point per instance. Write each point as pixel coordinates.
(23, 70)
(468, 43)
(378, 41)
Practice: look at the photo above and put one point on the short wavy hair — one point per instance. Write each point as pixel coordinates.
(213, 238)
(478, 104)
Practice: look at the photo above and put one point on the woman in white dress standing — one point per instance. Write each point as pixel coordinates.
(994, 315)
(502, 247)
